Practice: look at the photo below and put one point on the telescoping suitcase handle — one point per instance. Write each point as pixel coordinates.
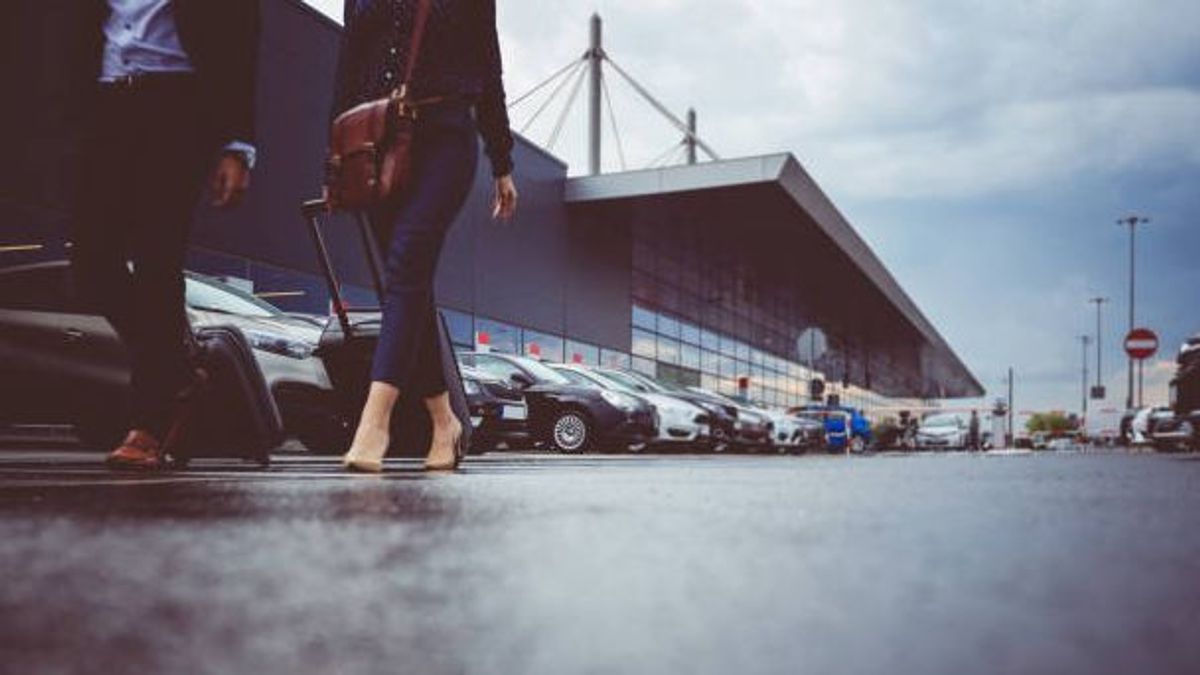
(313, 210)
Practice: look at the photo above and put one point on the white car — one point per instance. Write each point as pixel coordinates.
(943, 431)
(679, 422)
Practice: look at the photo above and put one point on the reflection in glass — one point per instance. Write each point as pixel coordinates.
(496, 336)
(643, 344)
(580, 352)
(543, 346)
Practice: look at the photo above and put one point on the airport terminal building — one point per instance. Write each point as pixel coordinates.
(725, 274)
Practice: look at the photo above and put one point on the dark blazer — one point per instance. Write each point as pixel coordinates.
(460, 55)
(221, 40)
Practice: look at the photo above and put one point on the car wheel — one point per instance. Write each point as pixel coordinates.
(571, 432)
(857, 445)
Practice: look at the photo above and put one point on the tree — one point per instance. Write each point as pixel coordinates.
(1051, 423)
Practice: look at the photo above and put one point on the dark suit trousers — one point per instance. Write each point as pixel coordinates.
(145, 157)
(445, 156)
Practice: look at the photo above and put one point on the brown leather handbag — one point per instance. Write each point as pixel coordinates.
(370, 154)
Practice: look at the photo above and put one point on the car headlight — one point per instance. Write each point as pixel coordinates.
(619, 399)
(471, 386)
(281, 345)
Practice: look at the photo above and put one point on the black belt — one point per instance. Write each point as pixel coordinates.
(145, 80)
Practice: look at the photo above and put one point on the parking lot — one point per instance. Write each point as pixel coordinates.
(946, 562)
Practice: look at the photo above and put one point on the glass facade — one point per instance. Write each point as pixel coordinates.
(712, 308)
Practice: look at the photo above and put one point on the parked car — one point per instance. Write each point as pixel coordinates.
(680, 423)
(793, 433)
(1039, 441)
(943, 431)
(752, 431)
(62, 365)
(845, 428)
(568, 417)
(722, 417)
(498, 412)
(1141, 426)
(1061, 444)
(1182, 431)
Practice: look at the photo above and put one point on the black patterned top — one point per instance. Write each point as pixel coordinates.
(460, 55)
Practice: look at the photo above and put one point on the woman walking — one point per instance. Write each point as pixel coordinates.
(458, 65)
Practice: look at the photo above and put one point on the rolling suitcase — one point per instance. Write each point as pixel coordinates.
(236, 416)
(348, 346)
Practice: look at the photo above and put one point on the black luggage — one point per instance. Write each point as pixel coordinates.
(236, 416)
(347, 348)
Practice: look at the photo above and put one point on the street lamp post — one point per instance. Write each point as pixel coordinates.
(1086, 340)
(1132, 221)
(1099, 302)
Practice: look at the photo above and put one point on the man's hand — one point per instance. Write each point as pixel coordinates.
(230, 180)
(504, 203)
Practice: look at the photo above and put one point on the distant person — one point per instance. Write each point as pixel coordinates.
(459, 60)
(171, 103)
(973, 430)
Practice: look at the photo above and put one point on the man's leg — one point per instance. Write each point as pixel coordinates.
(100, 229)
(170, 171)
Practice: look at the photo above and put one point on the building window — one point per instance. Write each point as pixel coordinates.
(543, 346)
(668, 350)
(644, 366)
(579, 352)
(668, 326)
(614, 359)
(689, 357)
(494, 336)
(644, 318)
(643, 344)
(461, 327)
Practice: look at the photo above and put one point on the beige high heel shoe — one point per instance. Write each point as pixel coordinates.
(459, 451)
(358, 464)
(361, 465)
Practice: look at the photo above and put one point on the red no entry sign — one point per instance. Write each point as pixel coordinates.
(1141, 343)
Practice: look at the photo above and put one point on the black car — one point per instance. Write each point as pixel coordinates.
(568, 417)
(752, 431)
(498, 412)
(1182, 430)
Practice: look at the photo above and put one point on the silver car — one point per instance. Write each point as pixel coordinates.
(61, 365)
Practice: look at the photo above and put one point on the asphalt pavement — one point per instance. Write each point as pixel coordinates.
(936, 563)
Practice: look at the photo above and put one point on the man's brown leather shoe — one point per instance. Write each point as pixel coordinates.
(139, 451)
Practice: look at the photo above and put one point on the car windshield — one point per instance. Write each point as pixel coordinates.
(214, 296)
(577, 378)
(941, 421)
(541, 372)
(633, 381)
(613, 380)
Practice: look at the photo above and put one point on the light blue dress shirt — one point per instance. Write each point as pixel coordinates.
(140, 36)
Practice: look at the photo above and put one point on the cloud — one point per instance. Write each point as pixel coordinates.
(1021, 145)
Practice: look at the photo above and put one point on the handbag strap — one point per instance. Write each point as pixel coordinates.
(418, 35)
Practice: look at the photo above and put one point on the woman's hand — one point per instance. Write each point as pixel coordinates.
(504, 202)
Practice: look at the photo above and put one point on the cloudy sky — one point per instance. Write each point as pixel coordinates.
(984, 149)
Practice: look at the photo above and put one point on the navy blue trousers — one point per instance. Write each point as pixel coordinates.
(411, 233)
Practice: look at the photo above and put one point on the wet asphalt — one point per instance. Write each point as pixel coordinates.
(948, 563)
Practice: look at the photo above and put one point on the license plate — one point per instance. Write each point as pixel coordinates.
(514, 412)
